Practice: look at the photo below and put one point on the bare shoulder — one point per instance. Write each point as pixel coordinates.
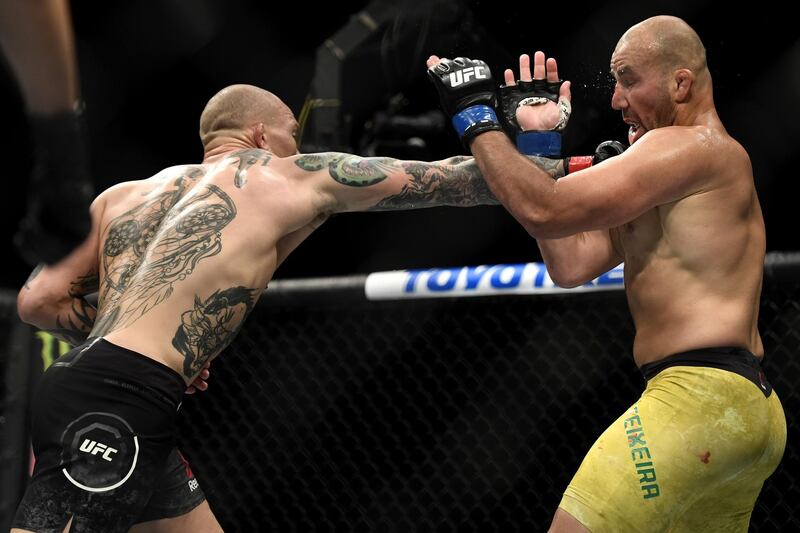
(726, 158)
(302, 166)
(166, 177)
(682, 140)
(318, 173)
(689, 152)
(116, 193)
(732, 152)
(713, 145)
(126, 195)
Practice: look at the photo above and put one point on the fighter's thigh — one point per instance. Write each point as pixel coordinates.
(637, 475)
(17, 530)
(198, 520)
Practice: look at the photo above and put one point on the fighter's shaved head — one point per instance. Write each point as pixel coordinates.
(235, 108)
(666, 42)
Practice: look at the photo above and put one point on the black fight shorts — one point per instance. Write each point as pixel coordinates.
(104, 440)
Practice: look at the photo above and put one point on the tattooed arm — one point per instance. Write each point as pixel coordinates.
(53, 298)
(354, 183)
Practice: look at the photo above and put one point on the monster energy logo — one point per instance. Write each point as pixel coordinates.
(52, 348)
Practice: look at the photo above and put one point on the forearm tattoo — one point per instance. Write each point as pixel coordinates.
(184, 239)
(84, 285)
(554, 167)
(74, 326)
(210, 325)
(248, 158)
(347, 169)
(456, 159)
(456, 181)
(433, 184)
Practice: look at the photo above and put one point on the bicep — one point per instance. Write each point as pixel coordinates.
(658, 169)
(346, 182)
(600, 251)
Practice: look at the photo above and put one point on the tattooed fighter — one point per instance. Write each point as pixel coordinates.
(178, 261)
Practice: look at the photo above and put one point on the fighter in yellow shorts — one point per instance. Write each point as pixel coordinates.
(691, 455)
(680, 209)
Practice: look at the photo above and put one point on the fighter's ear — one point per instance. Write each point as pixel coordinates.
(260, 136)
(683, 79)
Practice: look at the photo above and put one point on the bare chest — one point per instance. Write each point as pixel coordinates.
(641, 238)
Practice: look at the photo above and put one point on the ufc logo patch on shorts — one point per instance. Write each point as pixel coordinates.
(99, 452)
(93, 448)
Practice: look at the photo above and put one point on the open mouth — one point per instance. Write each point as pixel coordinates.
(635, 132)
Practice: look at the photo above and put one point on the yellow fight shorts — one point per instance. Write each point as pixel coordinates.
(691, 455)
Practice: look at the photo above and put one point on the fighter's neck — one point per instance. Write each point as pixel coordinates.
(698, 113)
(220, 151)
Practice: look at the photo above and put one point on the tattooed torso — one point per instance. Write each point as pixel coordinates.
(184, 256)
(165, 257)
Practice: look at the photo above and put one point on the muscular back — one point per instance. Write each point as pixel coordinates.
(693, 266)
(185, 254)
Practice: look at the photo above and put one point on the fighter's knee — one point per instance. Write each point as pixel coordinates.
(563, 522)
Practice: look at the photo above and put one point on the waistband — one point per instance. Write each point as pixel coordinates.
(732, 359)
(115, 362)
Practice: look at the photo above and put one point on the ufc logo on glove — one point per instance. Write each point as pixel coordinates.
(459, 77)
(467, 94)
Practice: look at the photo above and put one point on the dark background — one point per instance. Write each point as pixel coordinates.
(147, 69)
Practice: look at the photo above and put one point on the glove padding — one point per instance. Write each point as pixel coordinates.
(535, 92)
(467, 95)
(605, 150)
